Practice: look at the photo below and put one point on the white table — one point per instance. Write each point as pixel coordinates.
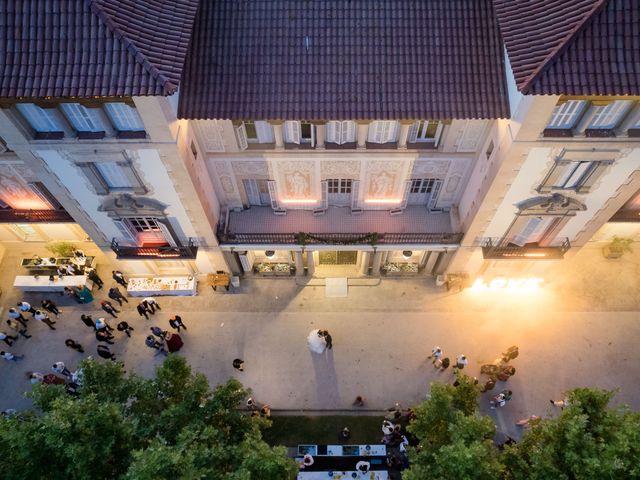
(156, 286)
(28, 283)
(363, 450)
(373, 475)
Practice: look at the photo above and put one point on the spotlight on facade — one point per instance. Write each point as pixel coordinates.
(407, 254)
(270, 253)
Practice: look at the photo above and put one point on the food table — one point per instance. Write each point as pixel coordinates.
(346, 475)
(155, 286)
(41, 283)
(218, 280)
(51, 263)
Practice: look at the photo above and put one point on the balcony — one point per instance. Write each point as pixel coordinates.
(259, 226)
(35, 216)
(166, 252)
(496, 249)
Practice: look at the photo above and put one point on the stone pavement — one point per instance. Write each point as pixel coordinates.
(581, 329)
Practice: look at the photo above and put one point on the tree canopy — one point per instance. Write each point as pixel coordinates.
(588, 440)
(127, 427)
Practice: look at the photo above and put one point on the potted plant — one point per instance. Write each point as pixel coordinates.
(61, 249)
(617, 247)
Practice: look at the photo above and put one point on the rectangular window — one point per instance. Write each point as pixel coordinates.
(606, 118)
(425, 132)
(143, 224)
(45, 122)
(339, 185)
(565, 118)
(382, 132)
(125, 119)
(112, 176)
(341, 132)
(85, 121)
(299, 133)
(577, 175)
(574, 175)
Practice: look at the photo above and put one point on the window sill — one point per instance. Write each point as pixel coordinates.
(301, 146)
(48, 135)
(260, 146)
(557, 133)
(382, 146)
(633, 132)
(337, 146)
(90, 135)
(599, 132)
(132, 135)
(422, 146)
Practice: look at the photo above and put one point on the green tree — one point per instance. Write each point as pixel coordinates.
(124, 426)
(588, 440)
(455, 442)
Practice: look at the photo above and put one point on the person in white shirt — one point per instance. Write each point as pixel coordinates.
(44, 318)
(8, 339)
(362, 466)
(461, 361)
(26, 307)
(11, 357)
(152, 304)
(59, 367)
(72, 269)
(14, 314)
(35, 377)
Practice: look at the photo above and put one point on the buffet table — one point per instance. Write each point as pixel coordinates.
(349, 475)
(53, 262)
(155, 286)
(31, 283)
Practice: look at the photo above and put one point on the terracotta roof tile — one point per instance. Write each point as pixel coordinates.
(345, 59)
(85, 48)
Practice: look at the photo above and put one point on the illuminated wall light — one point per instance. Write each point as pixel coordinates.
(301, 200)
(383, 200)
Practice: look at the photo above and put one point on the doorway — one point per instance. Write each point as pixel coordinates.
(257, 192)
(424, 191)
(337, 257)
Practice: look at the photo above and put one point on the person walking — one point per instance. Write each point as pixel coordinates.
(124, 327)
(104, 352)
(176, 323)
(72, 344)
(101, 324)
(10, 357)
(8, 339)
(104, 336)
(88, 321)
(327, 338)
(238, 364)
(19, 327)
(59, 367)
(108, 307)
(115, 294)
(560, 403)
(436, 353)
(158, 332)
(44, 318)
(14, 314)
(119, 277)
(26, 307)
(445, 363)
(142, 309)
(152, 342)
(152, 304)
(93, 276)
(50, 307)
(461, 362)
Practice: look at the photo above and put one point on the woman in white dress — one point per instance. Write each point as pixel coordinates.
(317, 343)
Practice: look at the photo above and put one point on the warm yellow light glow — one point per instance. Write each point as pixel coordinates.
(383, 200)
(298, 200)
(511, 285)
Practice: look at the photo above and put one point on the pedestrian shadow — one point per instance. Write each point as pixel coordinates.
(327, 391)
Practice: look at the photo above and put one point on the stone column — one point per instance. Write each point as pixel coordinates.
(299, 263)
(377, 263)
(278, 135)
(311, 266)
(364, 263)
(320, 136)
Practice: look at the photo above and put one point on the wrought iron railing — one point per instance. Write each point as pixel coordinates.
(127, 252)
(303, 238)
(497, 249)
(35, 216)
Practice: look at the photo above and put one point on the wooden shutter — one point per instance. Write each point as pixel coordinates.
(292, 131)
(553, 176)
(126, 232)
(273, 196)
(609, 116)
(324, 186)
(264, 131)
(166, 231)
(40, 119)
(566, 115)
(527, 231)
(355, 192)
(413, 132)
(241, 137)
(349, 131)
(313, 135)
(435, 191)
(124, 117)
(82, 119)
(374, 133)
(592, 176)
(332, 132)
(94, 177)
(405, 194)
(251, 189)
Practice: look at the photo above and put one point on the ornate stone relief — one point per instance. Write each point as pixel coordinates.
(431, 167)
(297, 179)
(210, 133)
(340, 169)
(253, 167)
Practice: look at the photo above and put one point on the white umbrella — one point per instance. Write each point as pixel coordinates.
(317, 344)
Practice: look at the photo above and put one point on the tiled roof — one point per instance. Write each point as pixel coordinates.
(345, 59)
(85, 48)
(573, 47)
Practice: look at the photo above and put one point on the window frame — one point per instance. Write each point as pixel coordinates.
(99, 130)
(417, 140)
(122, 131)
(605, 119)
(391, 141)
(101, 185)
(28, 112)
(563, 169)
(565, 127)
(337, 134)
(293, 138)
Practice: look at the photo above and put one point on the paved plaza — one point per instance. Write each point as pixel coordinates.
(581, 329)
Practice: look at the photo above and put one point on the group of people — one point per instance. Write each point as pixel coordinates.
(440, 362)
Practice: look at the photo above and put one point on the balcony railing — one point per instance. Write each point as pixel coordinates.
(35, 216)
(303, 238)
(126, 252)
(498, 249)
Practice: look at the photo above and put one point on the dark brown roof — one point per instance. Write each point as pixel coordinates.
(85, 48)
(345, 59)
(573, 47)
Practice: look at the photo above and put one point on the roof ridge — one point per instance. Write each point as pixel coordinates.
(562, 47)
(168, 86)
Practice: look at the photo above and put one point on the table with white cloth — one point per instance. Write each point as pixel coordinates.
(31, 283)
(156, 286)
(349, 475)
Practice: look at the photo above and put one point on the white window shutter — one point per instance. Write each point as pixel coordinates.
(241, 137)
(113, 174)
(349, 131)
(413, 132)
(40, 119)
(265, 132)
(166, 233)
(436, 140)
(405, 194)
(355, 192)
(273, 195)
(324, 204)
(81, 118)
(609, 116)
(126, 232)
(435, 191)
(567, 115)
(392, 133)
(373, 135)
(124, 117)
(331, 132)
(292, 131)
(527, 231)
